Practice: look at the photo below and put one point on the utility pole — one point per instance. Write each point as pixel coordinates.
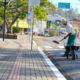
(4, 19)
(32, 4)
(32, 30)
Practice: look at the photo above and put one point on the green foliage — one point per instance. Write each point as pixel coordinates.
(44, 8)
(11, 12)
(44, 2)
(52, 6)
(23, 4)
(16, 30)
(1, 4)
(41, 13)
(1, 21)
(21, 9)
(1, 14)
(54, 26)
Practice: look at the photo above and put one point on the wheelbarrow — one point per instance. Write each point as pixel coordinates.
(72, 50)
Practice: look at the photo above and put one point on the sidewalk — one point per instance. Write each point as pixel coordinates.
(17, 62)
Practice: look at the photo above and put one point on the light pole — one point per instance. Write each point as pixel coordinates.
(32, 4)
(4, 19)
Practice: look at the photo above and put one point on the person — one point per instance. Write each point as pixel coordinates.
(71, 35)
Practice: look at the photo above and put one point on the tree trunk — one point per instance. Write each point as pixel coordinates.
(9, 27)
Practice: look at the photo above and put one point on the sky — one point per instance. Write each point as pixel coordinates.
(74, 3)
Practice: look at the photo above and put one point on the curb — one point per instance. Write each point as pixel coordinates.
(51, 65)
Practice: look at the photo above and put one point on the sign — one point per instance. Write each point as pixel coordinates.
(30, 13)
(41, 26)
(64, 5)
(34, 2)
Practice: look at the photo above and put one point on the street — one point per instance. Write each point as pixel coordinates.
(68, 67)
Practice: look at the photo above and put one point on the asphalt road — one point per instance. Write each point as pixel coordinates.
(69, 68)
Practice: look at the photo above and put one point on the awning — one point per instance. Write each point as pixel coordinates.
(22, 24)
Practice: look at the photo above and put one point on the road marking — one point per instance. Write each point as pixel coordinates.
(51, 65)
(47, 46)
(62, 47)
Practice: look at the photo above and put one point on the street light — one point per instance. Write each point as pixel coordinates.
(4, 19)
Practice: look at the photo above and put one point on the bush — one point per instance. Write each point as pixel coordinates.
(16, 30)
(53, 33)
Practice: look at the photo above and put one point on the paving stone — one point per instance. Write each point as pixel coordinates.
(17, 62)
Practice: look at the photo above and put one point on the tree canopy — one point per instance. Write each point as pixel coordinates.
(44, 8)
(18, 9)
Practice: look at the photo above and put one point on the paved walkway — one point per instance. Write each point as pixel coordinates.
(17, 62)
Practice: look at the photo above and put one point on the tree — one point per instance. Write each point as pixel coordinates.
(44, 8)
(40, 13)
(1, 13)
(14, 10)
(19, 10)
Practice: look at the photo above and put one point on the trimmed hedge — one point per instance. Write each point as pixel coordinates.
(9, 36)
